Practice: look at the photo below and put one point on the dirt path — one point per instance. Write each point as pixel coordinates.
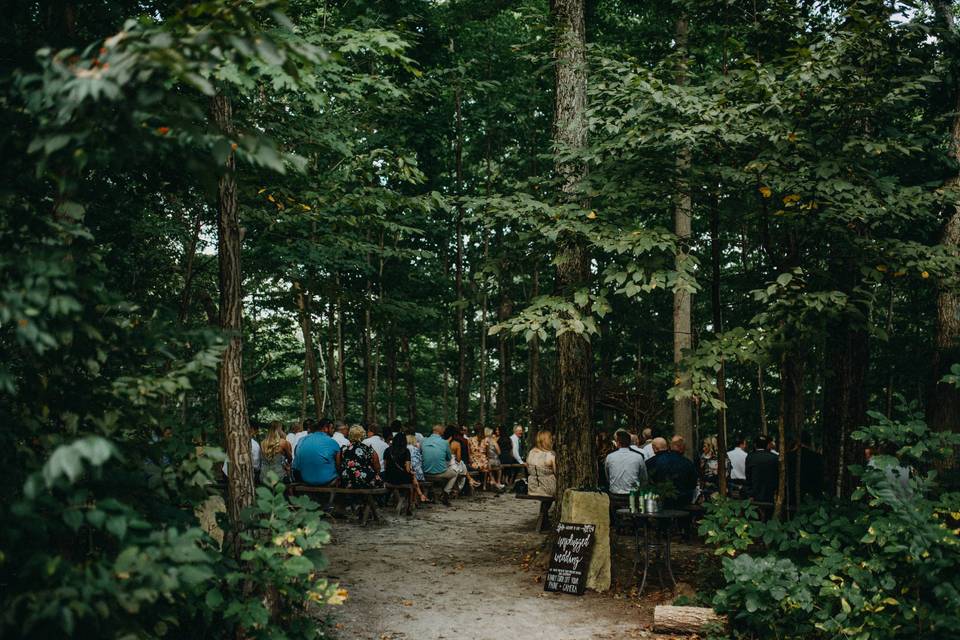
(462, 574)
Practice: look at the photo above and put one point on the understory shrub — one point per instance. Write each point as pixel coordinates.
(880, 566)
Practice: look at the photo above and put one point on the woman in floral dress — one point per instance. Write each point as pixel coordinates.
(360, 465)
(478, 455)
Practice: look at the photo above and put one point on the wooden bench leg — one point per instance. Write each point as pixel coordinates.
(543, 520)
(371, 511)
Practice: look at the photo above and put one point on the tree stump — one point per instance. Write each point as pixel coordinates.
(687, 620)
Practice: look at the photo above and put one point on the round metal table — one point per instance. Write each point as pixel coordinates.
(657, 529)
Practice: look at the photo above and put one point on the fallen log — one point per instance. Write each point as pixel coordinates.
(686, 620)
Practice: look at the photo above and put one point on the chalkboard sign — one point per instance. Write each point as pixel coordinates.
(570, 558)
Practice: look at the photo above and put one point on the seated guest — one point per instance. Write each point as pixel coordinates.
(516, 445)
(624, 467)
(316, 458)
(436, 462)
(398, 468)
(458, 436)
(375, 441)
(452, 435)
(669, 465)
(478, 454)
(276, 452)
(255, 456)
(492, 451)
(762, 471)
(542, 467)
(359, 464)
(416, 457)
(341, 433)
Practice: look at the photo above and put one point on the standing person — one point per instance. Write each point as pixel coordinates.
(736, 465)
(670, 465)
(375, 441)
(317, 458)
(360, 464)
(605, 446)
(624, 467)
(762, 471)
(635, 443)
(436, 462)
(647, 448)
(398, 466)
(542, 467)
(478, 454)
(492, 450)
(516, 444)
(707, 464)
(276, 452)
(341, 434)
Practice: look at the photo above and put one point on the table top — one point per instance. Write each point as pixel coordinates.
(665, 513)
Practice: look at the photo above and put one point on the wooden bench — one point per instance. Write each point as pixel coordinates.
(543, 519)
(368, 510)
(402, 494)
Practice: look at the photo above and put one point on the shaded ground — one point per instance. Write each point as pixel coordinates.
(470, 572)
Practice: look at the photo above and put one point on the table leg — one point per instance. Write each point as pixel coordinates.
(666, 555)
(646, 555)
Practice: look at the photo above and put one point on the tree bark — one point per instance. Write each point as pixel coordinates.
(233, 399)
(310, 357)
(715, 254)
(333, 365)
(684, 620)
(844, 402)
(575, 442)
(391, 357)
(533, 384)
(410, 381)
(682, 221)
(463, 384)
(504, 311)
(484, 393)
(943, 404)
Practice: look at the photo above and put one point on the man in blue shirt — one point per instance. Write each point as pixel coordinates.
(317, 459)
(436, 462)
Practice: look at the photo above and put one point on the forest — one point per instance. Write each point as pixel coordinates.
(702, 217)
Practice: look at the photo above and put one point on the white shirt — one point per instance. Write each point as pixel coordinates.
(625, 468)
(341, 439)
(647, 450)
(515, 450)
(738, 463)
(639, 450)
(254, 455)
(419, 437)
(297, 437)
(379, 445)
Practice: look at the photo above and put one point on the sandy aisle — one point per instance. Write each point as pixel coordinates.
(459, 574)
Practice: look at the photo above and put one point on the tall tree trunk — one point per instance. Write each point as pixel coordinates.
(762, 396)
(715, 254)
(844, 402)
(370, 377)
(341, 361)
(484, 392)
(410, 381)
(533, 384)
(233, 398)
(463, 384)
(333, 365)
(310, 357)
(504, 311)
(792, 415)
(682, 222)
(391, 380)
(943, 405)
(575, 442)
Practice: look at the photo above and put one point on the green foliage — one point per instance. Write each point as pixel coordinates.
(880, 567)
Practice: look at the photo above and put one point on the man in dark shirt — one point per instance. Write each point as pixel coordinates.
(762, 469)
(669, 465)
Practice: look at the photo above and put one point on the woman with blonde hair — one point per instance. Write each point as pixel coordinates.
(492, 453)
(708, 464)
(542, 467)
(276, 452)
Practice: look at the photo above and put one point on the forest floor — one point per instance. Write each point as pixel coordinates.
(473, 571)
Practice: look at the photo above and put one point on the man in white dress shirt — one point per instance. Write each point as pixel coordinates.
(340, 431)
(515, 440)
(737, 463)
(625, 467)
(375, 442)
(647, 448)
